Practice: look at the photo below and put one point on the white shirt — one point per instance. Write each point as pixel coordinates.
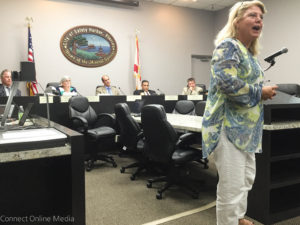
(7, 90)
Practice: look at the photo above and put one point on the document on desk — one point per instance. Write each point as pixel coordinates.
(31, 139)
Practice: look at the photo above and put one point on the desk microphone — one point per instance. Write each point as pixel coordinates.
(160, 92)
(121, 91)
(46, 94)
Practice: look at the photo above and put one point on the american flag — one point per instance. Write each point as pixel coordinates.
(136, 68)
(31, 85)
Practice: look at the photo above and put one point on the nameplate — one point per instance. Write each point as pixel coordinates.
(195, 97)
(43, 99)
(171, 97)
(94, 98)
(132, 98)
(65, 98)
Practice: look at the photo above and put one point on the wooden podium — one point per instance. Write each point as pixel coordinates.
(276, 191)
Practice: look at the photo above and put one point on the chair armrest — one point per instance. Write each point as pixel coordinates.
(105, 119)
(80, 123)
(140, 135)
(185, 139)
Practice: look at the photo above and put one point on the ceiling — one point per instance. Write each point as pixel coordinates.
(211, 5)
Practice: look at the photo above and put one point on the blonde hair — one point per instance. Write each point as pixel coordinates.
(236, 12)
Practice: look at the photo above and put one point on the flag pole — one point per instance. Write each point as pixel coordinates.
(32, 86)
(29, 21)
(136, 69)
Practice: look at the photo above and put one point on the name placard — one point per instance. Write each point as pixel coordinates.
(171, 97)
(132, 98)
(43, 99)
(94, 98)
(195, 97)
(65, 98)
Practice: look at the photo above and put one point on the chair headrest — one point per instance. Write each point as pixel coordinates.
(79, 103)
(155, 110)
(122, 107)
(53, 84)
(184, 106)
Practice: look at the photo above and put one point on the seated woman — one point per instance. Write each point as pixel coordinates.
(65, 87)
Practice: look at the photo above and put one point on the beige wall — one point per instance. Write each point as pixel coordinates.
(168, 37)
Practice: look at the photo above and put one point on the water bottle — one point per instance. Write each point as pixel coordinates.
(21, 111)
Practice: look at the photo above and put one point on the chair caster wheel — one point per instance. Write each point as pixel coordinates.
(114, 165)
(122, 170)
(149, 185)
(159, 196)
(89, 166)
(132, 177)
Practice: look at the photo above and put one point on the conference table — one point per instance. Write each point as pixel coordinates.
(182, 122)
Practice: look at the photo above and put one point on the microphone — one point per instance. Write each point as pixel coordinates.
(160, 92)
(121, 91)
(270, 59)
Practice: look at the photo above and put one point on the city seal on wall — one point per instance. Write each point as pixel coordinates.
(88, 46)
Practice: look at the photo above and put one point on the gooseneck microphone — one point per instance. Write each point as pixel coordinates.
(270, 59)
(121, 91)
(160, 92)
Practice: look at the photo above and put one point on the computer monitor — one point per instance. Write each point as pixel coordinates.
(137, 106)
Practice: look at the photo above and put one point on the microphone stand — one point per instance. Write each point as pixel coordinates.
(160, 92)
(121, 91)
(272, 63)
(14, 89)
(48, 110)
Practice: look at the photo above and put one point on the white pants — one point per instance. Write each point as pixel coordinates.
(236, 170)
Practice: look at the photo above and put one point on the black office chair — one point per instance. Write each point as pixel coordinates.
(131, 137)
(51, 88)
(164, 146)
(199, 108)
(98, 130)
(203, 86)
(185, 107)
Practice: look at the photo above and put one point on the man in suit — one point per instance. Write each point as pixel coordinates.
(5, 87)
(145, 89)
(191, 88)
(107, 89)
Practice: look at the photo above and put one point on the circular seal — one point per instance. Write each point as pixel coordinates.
(88, 46)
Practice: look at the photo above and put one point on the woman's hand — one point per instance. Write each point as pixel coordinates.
(268, 92)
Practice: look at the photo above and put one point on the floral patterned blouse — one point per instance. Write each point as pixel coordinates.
(234, 99)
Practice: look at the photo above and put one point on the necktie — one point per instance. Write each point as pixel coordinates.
(109, 90)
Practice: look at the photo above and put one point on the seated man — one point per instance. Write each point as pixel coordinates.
(107, 89)
(145, 89)
(5, 87)
(191, 88)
